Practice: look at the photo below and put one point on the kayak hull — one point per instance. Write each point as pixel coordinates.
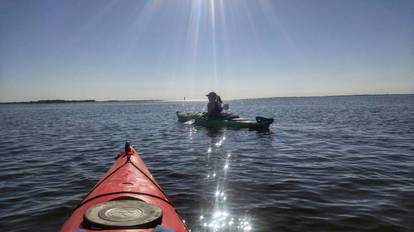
(200, 120)
(129, 179)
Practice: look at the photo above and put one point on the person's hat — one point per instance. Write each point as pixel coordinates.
(211, 94)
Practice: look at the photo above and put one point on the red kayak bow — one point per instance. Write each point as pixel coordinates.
(127, 198)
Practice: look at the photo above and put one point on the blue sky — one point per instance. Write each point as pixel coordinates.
(168, 49)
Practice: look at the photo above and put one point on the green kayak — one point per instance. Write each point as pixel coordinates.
(260, 123)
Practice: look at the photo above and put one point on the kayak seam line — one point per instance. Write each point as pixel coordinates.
(149, 178)
(156, 184)
(103, 180)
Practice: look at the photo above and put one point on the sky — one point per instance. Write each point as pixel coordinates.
(168, 49)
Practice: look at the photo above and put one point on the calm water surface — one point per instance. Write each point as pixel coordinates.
(327, 163)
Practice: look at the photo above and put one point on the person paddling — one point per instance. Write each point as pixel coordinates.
(214, 106)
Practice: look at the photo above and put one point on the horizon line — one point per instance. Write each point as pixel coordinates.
(176, 100)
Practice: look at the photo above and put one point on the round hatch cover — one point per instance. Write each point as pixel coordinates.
(123, 214)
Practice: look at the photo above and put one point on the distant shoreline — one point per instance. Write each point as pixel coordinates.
(48, 101)
(58, 101)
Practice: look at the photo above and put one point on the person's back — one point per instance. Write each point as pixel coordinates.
(214, 107)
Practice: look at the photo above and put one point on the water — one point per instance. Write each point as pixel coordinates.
(327, 163)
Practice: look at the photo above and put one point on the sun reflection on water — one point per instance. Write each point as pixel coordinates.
(191, 132)
(223, 221)
(220, 142)
(218, 215)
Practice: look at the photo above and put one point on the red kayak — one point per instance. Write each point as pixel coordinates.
(127, 198)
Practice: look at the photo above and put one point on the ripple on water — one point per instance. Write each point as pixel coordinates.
(328, 164)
